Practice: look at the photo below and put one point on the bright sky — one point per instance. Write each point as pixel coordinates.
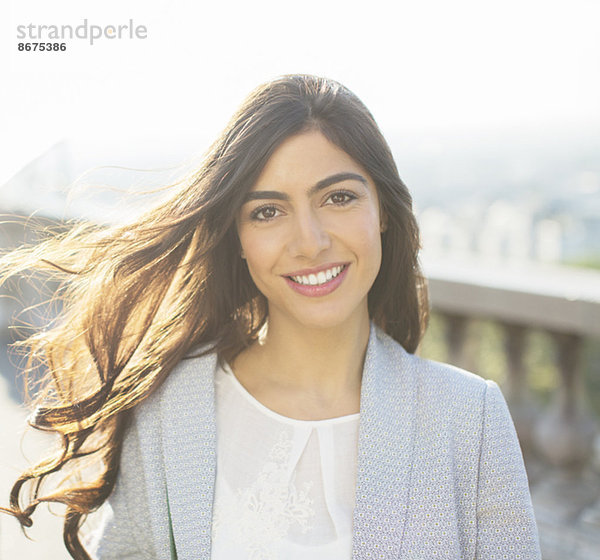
(416, 64)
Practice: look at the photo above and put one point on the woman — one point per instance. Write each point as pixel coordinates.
(235, 369)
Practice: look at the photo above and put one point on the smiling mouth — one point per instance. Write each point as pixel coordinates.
(320, 278)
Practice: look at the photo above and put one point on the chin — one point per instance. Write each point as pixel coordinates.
(317, 323)
(324, 319)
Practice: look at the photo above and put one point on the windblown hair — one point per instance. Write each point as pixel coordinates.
(138, 298)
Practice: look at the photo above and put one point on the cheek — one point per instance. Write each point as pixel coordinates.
(371, 239)
(367, 237)
(366, 232)
(260, 251)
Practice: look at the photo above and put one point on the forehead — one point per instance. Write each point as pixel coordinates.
(303, 160)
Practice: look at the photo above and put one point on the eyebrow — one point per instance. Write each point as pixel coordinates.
(320, 185)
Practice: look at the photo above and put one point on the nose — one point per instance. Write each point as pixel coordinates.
(309, 237)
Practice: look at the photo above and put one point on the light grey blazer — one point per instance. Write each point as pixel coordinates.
(440, 472)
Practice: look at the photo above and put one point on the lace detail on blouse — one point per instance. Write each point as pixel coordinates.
(259, 516)
(284, 487)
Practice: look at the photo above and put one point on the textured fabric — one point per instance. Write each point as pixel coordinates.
(439, 468)
(286, 494)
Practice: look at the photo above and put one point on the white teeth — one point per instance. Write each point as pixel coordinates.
(321, 277)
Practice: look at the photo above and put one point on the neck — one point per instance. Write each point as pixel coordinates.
(305, 372)
(320, 359)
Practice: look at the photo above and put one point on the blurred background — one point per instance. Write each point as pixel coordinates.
(492, 112)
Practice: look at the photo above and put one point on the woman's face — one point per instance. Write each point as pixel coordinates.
(310, 233)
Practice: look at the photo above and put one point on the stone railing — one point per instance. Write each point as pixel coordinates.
(560, 440)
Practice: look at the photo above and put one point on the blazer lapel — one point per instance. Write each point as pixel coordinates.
(385, 449)
(189, 446)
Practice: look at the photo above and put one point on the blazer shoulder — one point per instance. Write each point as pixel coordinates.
(435, 381)
(437, 375)
(454, 394)
(183, 377)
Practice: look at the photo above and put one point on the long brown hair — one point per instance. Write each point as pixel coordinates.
(137, 298)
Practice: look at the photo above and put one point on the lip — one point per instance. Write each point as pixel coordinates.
(321, 290)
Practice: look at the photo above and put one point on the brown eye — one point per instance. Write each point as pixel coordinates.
(264, 213)
(340, 198)
(268, 213)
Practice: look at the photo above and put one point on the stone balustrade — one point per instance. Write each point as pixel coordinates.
(560, 440)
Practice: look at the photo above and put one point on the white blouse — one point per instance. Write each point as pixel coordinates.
(285, 488)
